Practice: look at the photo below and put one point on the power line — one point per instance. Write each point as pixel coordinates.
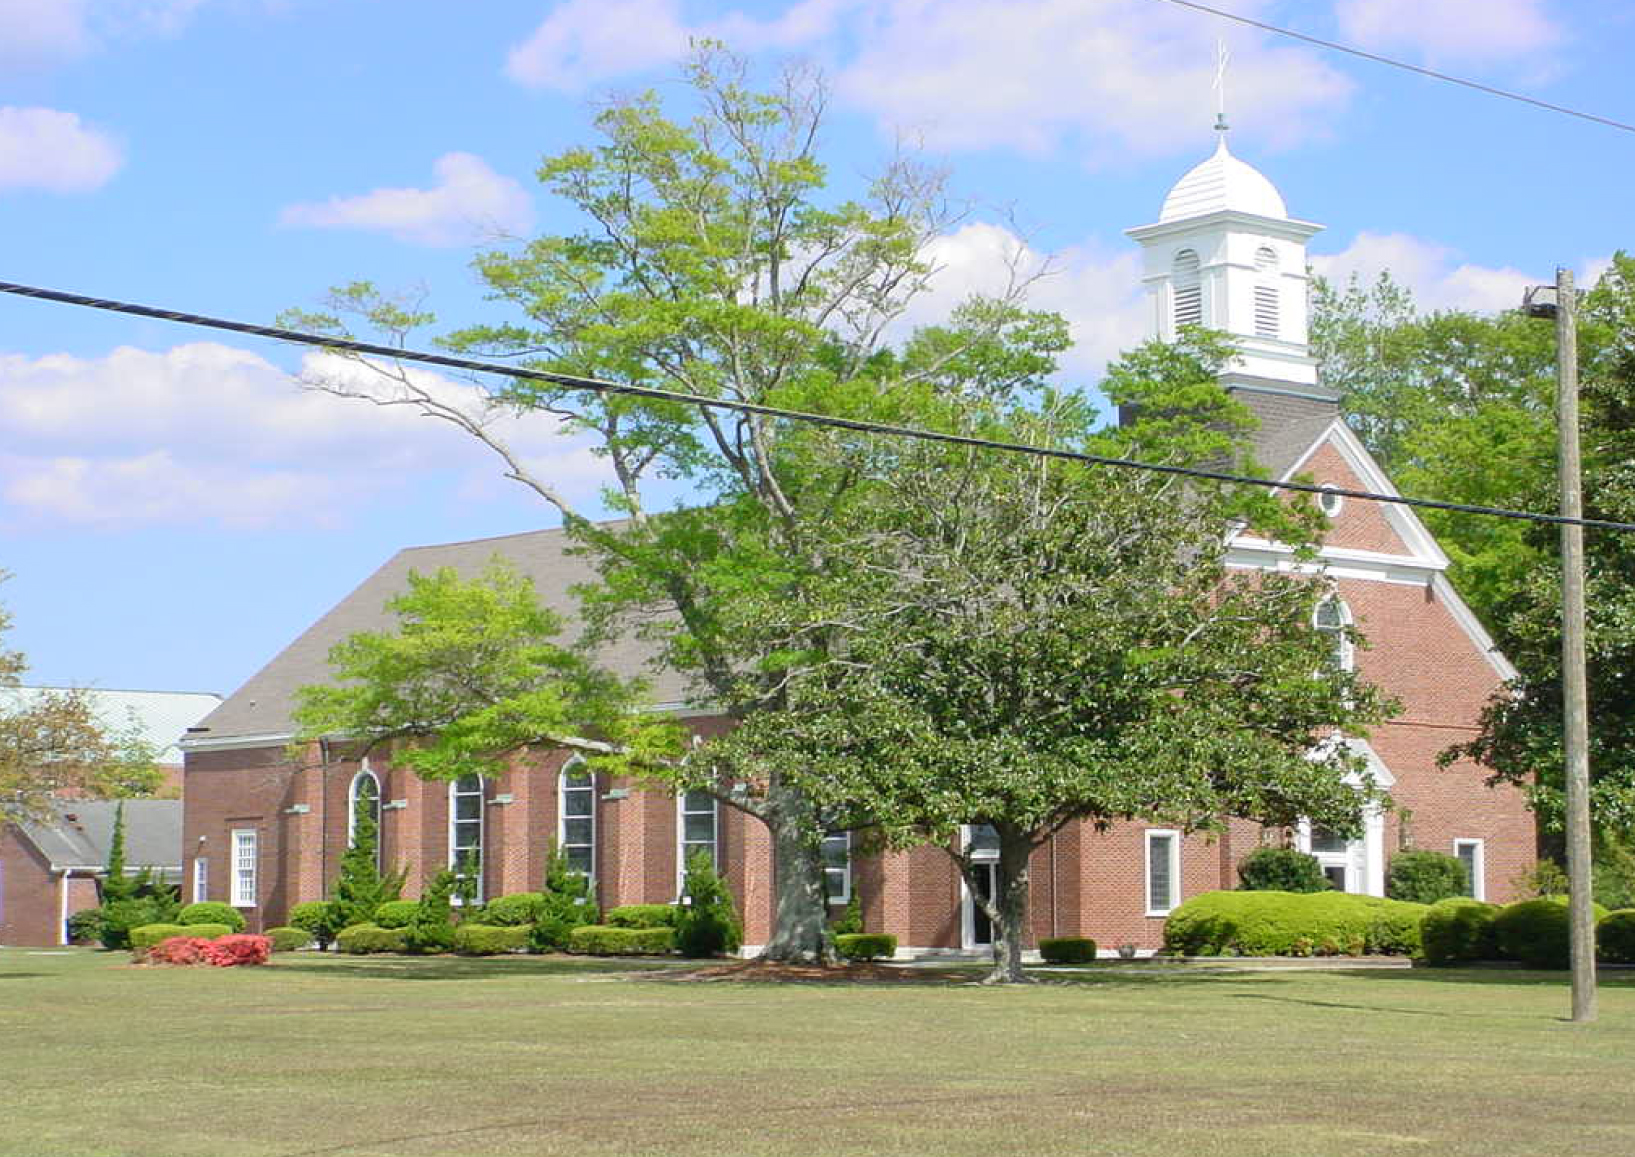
(597, 385)
(1403, 64)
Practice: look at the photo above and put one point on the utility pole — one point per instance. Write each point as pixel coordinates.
(1575, 708)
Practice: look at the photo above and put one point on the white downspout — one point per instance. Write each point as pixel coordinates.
(62, 907)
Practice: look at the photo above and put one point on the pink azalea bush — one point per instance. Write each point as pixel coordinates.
(223, 952)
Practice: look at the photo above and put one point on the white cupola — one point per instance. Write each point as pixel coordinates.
(1226, 255)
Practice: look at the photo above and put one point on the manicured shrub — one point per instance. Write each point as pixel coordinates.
(1615, 937)
(518, 908)
(1456, 931)
(85, 926)
(360, 886)
(1281, 870)
(395, 913)
(865, 945)
(120, 916)
(850, 921)
(288, 939)
(1535, 932)
(1291, 924)
(321, 918)
(1426, 877)
(490, 939)
(1067, 949)
(643, 916)
(237, 948)
(363, 939)
(147, 935)
(707, 924)
(212, 912)
(605, 940)
(566, 905)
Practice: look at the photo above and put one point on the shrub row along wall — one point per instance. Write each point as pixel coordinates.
(1293, 924)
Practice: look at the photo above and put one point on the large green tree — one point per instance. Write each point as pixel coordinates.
(711, 261)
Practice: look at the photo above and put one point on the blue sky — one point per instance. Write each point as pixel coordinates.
(174, 509)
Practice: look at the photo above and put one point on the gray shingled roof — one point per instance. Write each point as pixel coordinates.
(263, 705)
(80, 831)
(1288, 427)
(160, 717)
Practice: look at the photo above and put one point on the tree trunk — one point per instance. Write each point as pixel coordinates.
(1008, 910)
(800, 924)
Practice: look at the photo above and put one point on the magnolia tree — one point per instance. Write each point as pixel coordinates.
(712, 263)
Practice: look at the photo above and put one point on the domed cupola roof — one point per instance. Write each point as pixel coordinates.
(1222, 182)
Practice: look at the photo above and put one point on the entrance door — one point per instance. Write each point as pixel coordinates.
(978, 928)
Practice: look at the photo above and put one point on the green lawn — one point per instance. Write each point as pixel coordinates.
(526, 1055)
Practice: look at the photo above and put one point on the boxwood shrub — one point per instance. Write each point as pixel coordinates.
(1426, 877)
(288, 939)
(1615, 937)
(148, 935)
(490, 939)
(1292, 924)
(1535, 932)
(1281, 870)
(605, 940)
(363, 939)
(395, 913)
(509, 911)
(322, 918)
(212, 912)
(642, 916)
(865, 945)
(1067, 949)
(1456, 931)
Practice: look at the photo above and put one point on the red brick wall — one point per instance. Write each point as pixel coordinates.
(29, 904)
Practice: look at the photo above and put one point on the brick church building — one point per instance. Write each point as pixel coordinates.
(264, 832)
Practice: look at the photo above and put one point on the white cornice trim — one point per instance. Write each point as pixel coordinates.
(1286, 228)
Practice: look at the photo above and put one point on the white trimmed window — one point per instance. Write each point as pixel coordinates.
(576, 817)
(1188, 289)
(1333, 619)
(837, 867)
(696, 823)
(201, 879)
(1329, 501)
(363, 799)
(465, 827)
(244, 867)
(1471, 853)
(1163, 871)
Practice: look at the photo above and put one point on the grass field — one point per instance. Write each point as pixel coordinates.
(527, 1055)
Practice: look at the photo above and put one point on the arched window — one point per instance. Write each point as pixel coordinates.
(1266, 319)
(1333, 619)
(465, 827)
(576, 816)
(363, 807)
(1189, 303)
(696, 823)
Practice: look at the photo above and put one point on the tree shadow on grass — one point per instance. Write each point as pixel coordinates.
(464, 967)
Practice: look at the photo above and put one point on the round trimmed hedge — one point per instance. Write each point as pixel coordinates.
(1281, 870)
(1293, 924)
(510, 911)
(1067, 949)
(395, 913)
(1456, 931)
(288, 939)
(1536, 932)
(212, 912)
(1426, 877)
(1615, 937)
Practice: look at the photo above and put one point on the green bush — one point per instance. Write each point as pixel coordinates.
(850, 921)
(212, 912)
(707, 924)
(1426, 877)
(490, 939)
(1256, 923)
(1281, 870)
(120, 916)
(321, 919)
(288, 939)
(567, 904)
(865, 945)
(431, 928)
(518, 908)
(1615, 937)
(147, 935)
(1535, 932)
(85, 926)
(1067, 949)
(643, 916)
(395, 913)
(1455, 931)
(605, 940)
(362, 939)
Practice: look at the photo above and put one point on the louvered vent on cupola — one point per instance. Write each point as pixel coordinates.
(1189, 305)
(1266, 319)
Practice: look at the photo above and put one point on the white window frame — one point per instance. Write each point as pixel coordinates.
(844, 895)
(1347, 650)
(201, 879)
(352, 808)
(682, 843)
(1478, 868)
(1173, 864)
(246, 845)
(482, 829)
(1330, 501)
(986, 858)
(573, 768)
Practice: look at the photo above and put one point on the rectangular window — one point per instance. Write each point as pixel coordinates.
(696, 821)
(244, 866)
(1163, 872)
(201, 879)
(837, 867)
(1469, 853)
(578, 808)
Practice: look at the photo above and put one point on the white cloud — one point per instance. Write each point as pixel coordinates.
(45, 148)
(1450, 30)
(41, 33)
(1438, 279)
(208, 433)
(469, 202)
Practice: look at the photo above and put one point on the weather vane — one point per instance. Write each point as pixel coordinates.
(1221, 58)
